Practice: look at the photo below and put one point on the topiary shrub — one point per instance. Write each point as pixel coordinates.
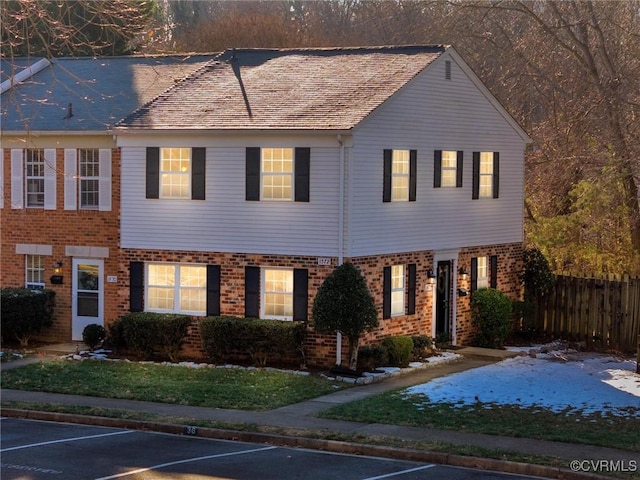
(491, 313)
(371, 357)
(422, 347)
(93, 335)
(228, 338)
(344, 304)
(146, 334)
(399, 349)
(25, 312)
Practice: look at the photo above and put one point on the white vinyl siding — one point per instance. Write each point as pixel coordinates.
(225, 222)
(426, 114)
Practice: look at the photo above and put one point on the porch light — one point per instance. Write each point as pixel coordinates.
(57, 267)
(431, 277)
(463, 273)
(57, 277)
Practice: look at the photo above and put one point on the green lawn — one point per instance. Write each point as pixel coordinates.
(206, 387)
(592, 429)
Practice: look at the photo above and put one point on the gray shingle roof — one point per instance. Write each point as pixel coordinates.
(302, 89)
(102, 91)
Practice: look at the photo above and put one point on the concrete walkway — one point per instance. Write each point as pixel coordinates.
(301, 417)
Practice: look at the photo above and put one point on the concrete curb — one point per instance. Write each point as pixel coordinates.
(311, 443)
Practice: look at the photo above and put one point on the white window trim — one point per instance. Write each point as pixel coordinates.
(176, 289)
(187, 174)
(263, 294)
(28, 269)
(396, 176)
(291, 174)
(93, 178)
(399, 290)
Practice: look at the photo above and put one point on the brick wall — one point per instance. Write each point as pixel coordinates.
(60, 228)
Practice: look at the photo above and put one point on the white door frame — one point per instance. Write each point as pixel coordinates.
(78, 322)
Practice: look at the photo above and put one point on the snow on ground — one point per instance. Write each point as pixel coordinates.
(556, 380)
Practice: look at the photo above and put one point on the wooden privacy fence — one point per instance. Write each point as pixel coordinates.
(604, 311)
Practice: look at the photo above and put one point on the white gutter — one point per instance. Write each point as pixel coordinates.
(340, 236)
(21, 76)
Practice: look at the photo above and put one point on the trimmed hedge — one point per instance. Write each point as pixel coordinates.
(491, 313)
(146, 334)
(399, 348)
(372, 357)
(93, 335)
(228, 338)
(26, 312)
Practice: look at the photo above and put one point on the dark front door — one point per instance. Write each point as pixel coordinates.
(443, 300)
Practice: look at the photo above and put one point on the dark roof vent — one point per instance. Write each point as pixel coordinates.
(69, 112)
(447, 69)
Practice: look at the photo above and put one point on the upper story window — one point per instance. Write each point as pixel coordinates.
(34, 165)
(89, 169)
(177, 288)
(34, 271)
(399, 183)
(447, 168)
(280, 174)
(175, 173)
(277, 174)
(486, 174)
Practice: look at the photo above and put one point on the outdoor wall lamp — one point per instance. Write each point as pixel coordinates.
(57, 277)
(431, 277)
(463, 273)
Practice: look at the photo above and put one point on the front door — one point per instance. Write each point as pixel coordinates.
(443, 301)
(88, 293)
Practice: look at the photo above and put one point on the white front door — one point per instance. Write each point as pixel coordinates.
(88, 295)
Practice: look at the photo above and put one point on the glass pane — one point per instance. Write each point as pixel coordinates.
(162, 275)
(193, 300)
(397, 303)
(193, 277)
(400, 161)
(87, 304)
(160, 298)
(400, 188)
(88, 278)
(449, 159)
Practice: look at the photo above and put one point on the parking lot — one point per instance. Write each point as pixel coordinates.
(44, 450)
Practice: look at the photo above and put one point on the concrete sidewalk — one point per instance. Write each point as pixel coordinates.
(301, 417)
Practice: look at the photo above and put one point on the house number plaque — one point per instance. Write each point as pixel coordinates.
(324, 260)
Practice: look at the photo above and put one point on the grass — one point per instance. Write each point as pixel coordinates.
(509, 420)
(207, 387)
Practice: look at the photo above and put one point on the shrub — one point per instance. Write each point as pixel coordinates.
(145, 334)
(536, 275)
(491, 315)
(26, 312)
(344, 304)
(225, 338)
(399, 349)
(371, 357)
(422, 346)
(93, 335)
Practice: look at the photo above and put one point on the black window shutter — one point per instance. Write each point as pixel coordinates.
(476, 176)
(474, 274)
(300, 293)
(213, 290)
(496, 174)
(252, 186)
(153, 172)
(198, 165)
(302, 168)
(413, 174)
(252, 292)
(437, 168)
(386, 190)
(459, 163)
(136, 286)
(411, 291)
(386, 293)
(493, 271)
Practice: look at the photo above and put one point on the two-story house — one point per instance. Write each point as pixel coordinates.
(246, 184)
(60, 176)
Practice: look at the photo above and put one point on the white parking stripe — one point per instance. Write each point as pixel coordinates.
(74, 439)
(188, 460)
(388, 475)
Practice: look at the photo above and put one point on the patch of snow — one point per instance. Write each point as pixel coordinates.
(556, 381)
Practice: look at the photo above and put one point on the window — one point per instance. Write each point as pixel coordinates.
(278, 294)
(399, 183)
(277, 173)
(449, 168)
(486, 173)
(397, 290)
(175, 173)
(34, 177)
(89, 168)
(177, 288)
(482, 278)
(34, 271)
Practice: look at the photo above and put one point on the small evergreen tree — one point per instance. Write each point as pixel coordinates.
(343, 304)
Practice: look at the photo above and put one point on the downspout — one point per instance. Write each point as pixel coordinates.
(340, 235)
